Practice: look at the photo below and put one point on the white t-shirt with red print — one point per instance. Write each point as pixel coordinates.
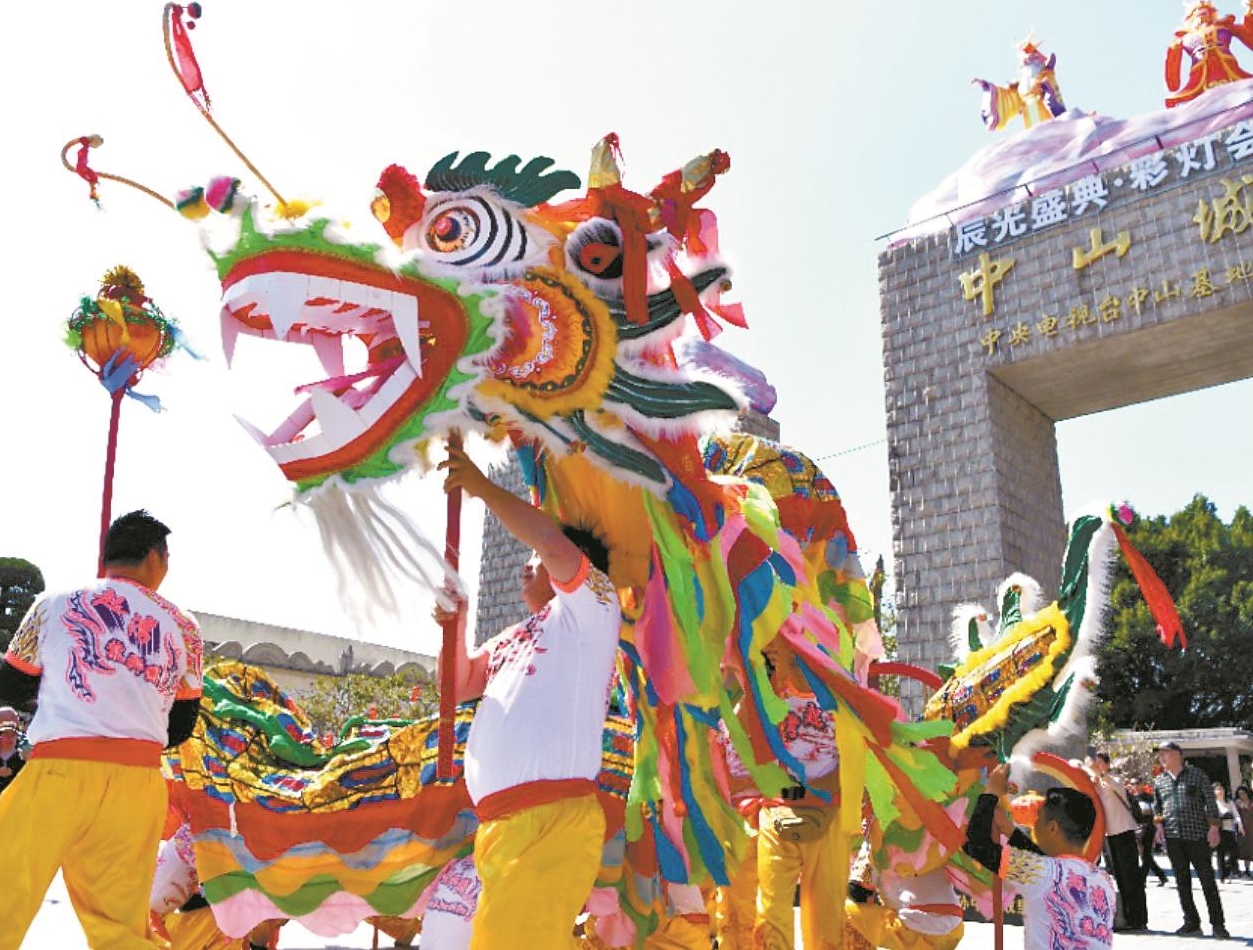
(543, 711)
(1069, 902)
(111, 658)
(808, 733)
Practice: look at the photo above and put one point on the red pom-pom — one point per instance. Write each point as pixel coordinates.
(405, 201)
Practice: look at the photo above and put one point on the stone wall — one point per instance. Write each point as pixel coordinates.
(500, 570)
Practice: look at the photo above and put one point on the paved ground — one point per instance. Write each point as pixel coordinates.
(56, 927)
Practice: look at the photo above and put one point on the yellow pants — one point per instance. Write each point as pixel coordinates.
(537, 867)
(780, 864)
(197, 930)
(400, 929)
(672, 933)
(679, 933)
(736, 905)
(871, 925)
(100, 825)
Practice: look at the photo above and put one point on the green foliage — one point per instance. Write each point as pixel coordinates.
(1208, 568)
(886, 617)
(333, 700)
(20, 583)
(1131, 758)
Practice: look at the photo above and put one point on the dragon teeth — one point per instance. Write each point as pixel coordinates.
(283, 302)
(258, 436)
(340, 424)
(295, 451)
(408, 328)
(330, 350)
(230, 333)
(401, 379)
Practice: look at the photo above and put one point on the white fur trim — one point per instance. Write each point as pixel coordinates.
(376, 550)
(958, 637)
(1072, 720)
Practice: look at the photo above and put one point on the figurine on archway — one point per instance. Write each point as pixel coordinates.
(1035, 95)
(1206, 38)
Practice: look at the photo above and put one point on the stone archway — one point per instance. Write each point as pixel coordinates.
(1124, 279)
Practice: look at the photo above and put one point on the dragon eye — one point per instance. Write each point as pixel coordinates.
(604, 260)
(595, 248)
(453, 229)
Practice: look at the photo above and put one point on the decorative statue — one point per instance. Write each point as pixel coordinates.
(1035, 96)
(1207, 41)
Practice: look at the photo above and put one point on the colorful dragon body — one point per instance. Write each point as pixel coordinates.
(286, 826)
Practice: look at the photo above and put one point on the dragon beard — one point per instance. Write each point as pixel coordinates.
(378, 553)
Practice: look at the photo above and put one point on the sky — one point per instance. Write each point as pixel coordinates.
(835, 126)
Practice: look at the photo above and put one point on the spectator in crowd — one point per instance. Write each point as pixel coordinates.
(1229, 829)
(1244, 805)
(11, 757)
(1141, 793)
(1121, 826)
(1183, 804)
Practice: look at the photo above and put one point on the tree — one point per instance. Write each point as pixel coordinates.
(885, 616)
(333, 700)
(1208, 568)
(20, 583)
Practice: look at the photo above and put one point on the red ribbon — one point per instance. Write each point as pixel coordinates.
(1161, 604)
(632, 212)
(185, 59)
(83, 169)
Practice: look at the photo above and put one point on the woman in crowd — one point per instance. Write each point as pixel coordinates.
(1244, 847)
(1229, 829)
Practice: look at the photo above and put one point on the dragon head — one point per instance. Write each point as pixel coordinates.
(488, 309)
(485, 307)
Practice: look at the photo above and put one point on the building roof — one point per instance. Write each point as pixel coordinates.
(305, 651)
(1192, 740)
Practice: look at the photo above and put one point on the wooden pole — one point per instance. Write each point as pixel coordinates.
(202, 107)
(451, 649)
(998, 906)
(110, 457)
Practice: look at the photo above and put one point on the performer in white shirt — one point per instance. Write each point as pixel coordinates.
(116, 668)
(534, 750)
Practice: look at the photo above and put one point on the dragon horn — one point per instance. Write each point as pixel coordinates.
(182, 59)
(605, 169)
(84, 171)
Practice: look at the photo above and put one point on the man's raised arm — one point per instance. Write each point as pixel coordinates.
(528, 524)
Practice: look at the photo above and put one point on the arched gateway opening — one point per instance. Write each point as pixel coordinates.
(1094, 264)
